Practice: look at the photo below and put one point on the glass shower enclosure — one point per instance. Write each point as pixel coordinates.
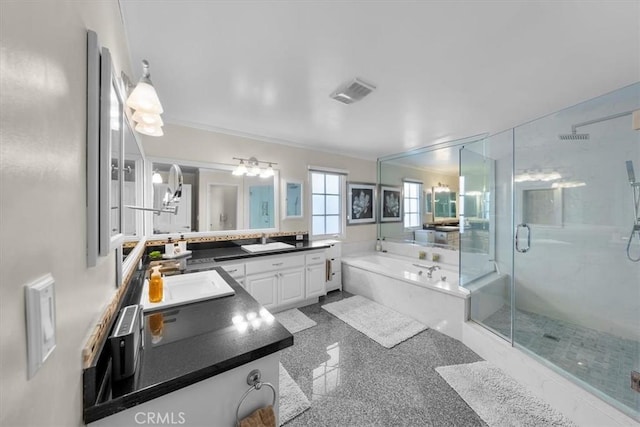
(550, 247)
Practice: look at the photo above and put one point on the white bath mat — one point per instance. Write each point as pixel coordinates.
(292, 401)
(383, 325)
(294, 320)
(499, 399)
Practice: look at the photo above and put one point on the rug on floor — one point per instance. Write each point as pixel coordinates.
(499, 399)
(292, 401)
(294, 320)
(383, 325)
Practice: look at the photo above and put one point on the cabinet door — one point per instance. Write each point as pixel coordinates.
(291, 286)
(315, 280)
(264, 288)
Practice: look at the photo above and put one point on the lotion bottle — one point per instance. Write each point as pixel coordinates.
(156, 285)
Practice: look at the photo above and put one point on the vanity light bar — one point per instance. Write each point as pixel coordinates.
(252, 167)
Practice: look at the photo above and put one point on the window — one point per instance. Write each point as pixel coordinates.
(412, 215)
(326, 203)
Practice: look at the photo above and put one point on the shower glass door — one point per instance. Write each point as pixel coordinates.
(486, 254)
(576, 289)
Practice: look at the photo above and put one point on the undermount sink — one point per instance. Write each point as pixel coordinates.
(187, 288)
(274, 246)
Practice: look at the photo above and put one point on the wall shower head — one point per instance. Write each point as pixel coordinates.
(573, 136)
(630, 173)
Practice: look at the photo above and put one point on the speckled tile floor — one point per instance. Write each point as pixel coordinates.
(353, 381)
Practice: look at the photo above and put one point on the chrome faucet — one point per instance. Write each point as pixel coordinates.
(431, 269)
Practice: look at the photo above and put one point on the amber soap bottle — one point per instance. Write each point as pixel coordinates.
(155, 285)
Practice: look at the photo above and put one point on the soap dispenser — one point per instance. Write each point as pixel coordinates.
(378, 245)
(156, 285)
(182, 244)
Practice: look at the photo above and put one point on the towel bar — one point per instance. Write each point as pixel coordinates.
(253, 379)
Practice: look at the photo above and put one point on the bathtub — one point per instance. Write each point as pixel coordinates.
(402, 284)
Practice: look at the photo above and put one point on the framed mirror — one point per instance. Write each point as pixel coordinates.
(111, 157)
(444, 204)
(292, 199)
(133, 188)
(213, 200)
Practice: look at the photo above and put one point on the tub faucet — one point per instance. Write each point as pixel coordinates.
(431, 269)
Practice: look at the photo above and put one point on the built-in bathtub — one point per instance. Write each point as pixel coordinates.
(403, 284)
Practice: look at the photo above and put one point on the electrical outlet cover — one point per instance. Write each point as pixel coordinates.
(41, 322)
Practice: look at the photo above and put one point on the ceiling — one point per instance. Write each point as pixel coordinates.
(443, 69)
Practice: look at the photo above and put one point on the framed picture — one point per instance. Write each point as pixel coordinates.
(390, 204)
(361, 202)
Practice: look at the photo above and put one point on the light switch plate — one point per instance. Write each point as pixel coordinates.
(41, 322)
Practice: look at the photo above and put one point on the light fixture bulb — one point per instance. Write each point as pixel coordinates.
(148, 119)
(149, 130)
(268, 172)
(156, 178)
(241, 169)
(144, 96)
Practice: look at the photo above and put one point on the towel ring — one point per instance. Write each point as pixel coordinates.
(253, 379)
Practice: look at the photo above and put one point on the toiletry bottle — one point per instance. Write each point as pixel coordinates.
(182, 243)
(168, 247)
(155, 285)
(378, 245)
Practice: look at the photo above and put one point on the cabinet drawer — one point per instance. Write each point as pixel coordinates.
(315, 258)
(274, 263)
(234, 270)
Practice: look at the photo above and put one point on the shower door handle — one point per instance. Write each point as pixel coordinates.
(517, 238)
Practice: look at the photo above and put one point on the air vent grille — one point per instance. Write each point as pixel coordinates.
(352, 91)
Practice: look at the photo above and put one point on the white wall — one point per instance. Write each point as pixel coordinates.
(186, 143)
(42, 197)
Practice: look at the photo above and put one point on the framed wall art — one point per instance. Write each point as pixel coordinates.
(390, 204)
(361, 202)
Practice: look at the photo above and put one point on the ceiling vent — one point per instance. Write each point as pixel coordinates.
(352, 91)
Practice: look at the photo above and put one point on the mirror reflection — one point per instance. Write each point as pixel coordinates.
(214, 199)
(132, 189)
(436, 171)
(293, 199)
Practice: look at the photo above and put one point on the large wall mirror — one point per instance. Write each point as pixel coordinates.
(436, 169)
(214, 201)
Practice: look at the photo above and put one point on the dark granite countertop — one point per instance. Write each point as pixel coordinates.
(235, 252)
(197, 341)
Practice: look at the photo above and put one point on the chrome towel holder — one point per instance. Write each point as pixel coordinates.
(253, 379)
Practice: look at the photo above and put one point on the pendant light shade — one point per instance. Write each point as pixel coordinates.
(149, 130)
(144, 100)
(149, 119)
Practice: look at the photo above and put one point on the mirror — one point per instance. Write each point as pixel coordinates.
(435, 166)
(133, 188)
(111, 158)
(213, 200)
(444, 204)
(293, 199)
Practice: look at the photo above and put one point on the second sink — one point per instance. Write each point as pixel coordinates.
(274, 246)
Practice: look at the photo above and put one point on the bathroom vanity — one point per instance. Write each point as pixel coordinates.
(196, 357)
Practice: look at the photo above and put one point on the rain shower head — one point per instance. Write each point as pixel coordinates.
(630, 173)
(573, 136)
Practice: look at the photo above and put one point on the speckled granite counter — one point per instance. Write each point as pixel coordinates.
(197, 341)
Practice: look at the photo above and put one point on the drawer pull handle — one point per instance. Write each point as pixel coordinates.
(232, 271)
(277, 263)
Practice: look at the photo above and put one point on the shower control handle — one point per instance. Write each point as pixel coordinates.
(517, 238)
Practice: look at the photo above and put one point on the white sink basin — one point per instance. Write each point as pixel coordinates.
(266, 247)
(186, 288)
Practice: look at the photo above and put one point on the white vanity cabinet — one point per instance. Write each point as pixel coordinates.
(316, 274)
(334, 254)
(276, 280)
(235, 270)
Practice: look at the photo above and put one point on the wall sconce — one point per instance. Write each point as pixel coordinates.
(441, 188)
(144, 100)
(252, 168)
(156, 178)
